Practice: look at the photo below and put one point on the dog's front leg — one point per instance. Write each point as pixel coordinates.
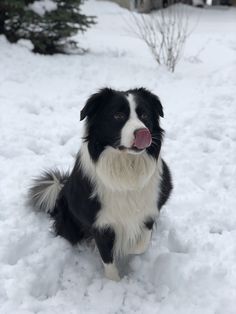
(105, 239)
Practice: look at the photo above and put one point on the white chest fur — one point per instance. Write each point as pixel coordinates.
(128, 188)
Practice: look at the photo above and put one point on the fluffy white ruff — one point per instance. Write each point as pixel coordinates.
(128, 187)
(120, 171)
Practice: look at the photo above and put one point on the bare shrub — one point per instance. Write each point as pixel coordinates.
(164, 31)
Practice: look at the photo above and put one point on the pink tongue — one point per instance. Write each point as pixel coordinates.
(143, 138)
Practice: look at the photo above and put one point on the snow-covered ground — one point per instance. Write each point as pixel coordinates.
(190, 267)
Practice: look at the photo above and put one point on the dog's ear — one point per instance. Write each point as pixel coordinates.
(153, 100)
(94, 103)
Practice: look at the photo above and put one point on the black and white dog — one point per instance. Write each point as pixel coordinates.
(119, 181)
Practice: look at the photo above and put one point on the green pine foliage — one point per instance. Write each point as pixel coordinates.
(10, 13)
(51, 32)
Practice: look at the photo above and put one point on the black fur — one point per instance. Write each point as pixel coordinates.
(75, 213)
(149, 223)
(166, 186)
(105, 240)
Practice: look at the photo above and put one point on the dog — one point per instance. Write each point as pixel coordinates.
(119, 181)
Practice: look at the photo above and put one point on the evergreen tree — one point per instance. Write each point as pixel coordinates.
(49, 32)
(10, 11)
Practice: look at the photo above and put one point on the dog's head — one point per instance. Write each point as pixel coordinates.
(126, 121)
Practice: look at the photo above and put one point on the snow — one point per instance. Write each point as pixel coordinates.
(190, 266)
(43, 6)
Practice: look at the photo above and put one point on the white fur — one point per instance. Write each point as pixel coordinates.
(46, 197)
(127, 197)
(127, 133)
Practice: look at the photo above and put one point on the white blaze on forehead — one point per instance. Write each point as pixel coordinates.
(132, 106)
(133, 123)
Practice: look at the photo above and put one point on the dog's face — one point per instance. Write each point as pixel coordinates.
(126, 121)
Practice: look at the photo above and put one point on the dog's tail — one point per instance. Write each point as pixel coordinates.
(45, 189)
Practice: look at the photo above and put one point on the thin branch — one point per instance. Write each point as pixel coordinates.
(164, 32)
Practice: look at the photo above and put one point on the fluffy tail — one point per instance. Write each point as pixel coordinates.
(45, 189)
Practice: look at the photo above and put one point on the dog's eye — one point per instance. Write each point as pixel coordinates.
(144, 116)
(119, 116)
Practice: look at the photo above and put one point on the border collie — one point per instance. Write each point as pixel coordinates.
(119, 181)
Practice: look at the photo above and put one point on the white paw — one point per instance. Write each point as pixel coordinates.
(142, 244)
(139, 249)
(111, 272)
